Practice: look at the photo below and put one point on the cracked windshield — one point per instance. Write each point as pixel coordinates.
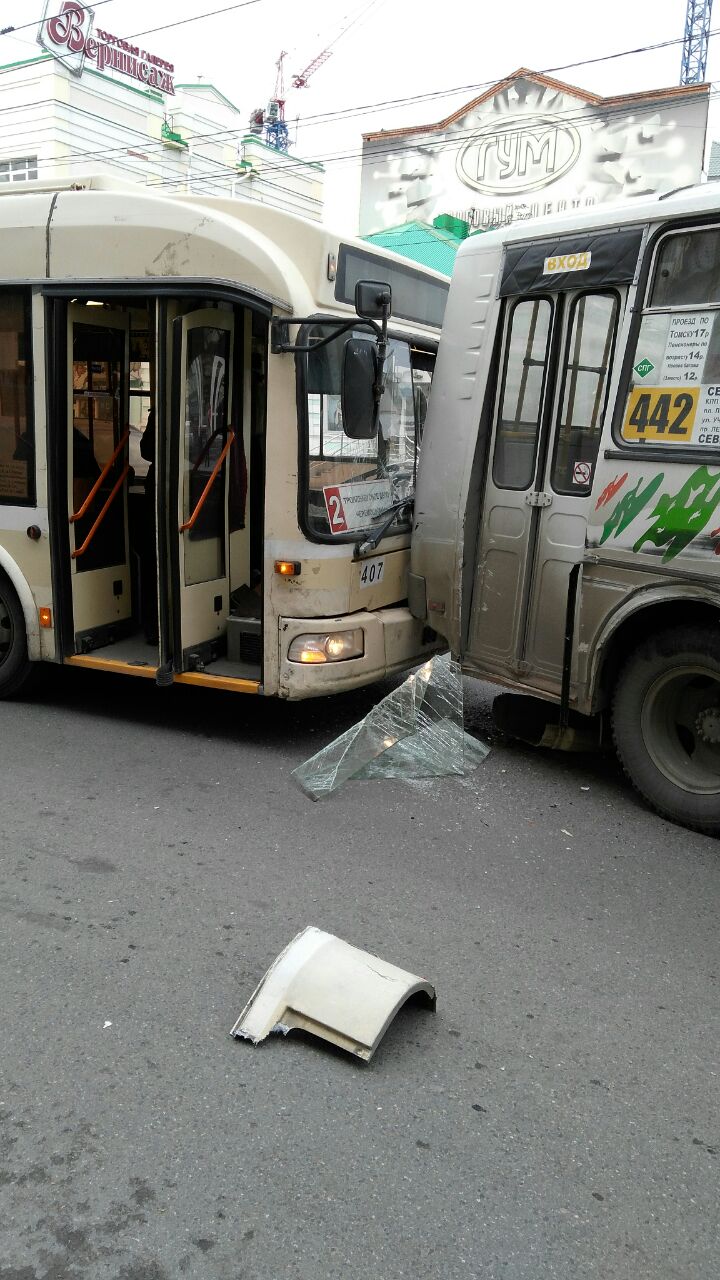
(352, 482)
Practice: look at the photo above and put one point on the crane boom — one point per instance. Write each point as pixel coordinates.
(300, 80)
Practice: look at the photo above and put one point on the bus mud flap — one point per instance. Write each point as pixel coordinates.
(324, 986)
(539, 723)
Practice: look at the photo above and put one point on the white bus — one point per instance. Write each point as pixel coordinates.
(180, 499)
(567, 512)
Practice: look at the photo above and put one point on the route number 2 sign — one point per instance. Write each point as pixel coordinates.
(335, 509)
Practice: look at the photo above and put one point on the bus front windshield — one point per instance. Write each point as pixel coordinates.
(352, 482)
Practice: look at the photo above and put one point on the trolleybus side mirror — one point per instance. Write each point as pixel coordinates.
(363, 363)
(358, 389)
(373, 299)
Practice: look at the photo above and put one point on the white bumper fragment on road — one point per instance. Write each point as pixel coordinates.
(331, 989)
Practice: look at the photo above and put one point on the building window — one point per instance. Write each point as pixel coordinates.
(21, 169)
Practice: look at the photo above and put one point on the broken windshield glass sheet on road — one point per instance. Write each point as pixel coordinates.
(330, 989)
(415, 732)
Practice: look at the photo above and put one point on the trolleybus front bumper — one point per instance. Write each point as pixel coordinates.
(392, 640)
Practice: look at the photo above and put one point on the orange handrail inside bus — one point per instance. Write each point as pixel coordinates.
(77, 515)
(205, 449)
(212, 478)
(103, 512)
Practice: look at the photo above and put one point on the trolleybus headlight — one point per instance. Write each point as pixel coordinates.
(333, 646)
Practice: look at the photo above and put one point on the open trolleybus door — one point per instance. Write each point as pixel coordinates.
(201, 440)
(97, 443)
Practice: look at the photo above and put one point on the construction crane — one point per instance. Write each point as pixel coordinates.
(695, 43)
(270, 120)
(300, 81)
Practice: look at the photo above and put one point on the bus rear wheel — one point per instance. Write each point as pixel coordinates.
(666, 724)
(15, 667)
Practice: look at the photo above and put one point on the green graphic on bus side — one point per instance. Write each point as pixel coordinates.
(678, 517)
(644, 368)
(681, 516)
(629, 506)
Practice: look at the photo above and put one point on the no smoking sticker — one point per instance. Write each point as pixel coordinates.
(582, 472)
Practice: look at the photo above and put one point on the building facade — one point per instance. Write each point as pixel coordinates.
(530, 146)
(88, 102)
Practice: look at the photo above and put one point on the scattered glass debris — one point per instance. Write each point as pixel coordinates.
(415, 732)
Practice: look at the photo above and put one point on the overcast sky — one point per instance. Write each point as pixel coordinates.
(396, 49)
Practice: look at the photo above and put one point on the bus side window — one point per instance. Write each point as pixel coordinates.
(688, 270)
(675, 358)
(17, 448)
(585, 379)
(423, 365)
(518, 428)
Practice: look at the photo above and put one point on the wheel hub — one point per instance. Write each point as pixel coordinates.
(680, 725)
(707, 724)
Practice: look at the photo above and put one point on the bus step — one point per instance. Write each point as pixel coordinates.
(244, 640)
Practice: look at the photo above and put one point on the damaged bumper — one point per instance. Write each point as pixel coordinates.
(390, 640)
(333, 990)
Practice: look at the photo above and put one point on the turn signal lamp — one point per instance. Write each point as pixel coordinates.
(45, 617)
(333, 646)
(288, 568)
(309, 655)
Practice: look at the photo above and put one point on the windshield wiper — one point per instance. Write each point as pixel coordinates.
(392, 513)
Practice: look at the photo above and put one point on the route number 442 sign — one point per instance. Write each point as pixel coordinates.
(665, 414)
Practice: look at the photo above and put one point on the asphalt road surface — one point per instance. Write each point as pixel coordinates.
(557, 1116)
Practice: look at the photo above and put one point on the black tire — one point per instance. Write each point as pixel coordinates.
(15, 666)
(666, 724)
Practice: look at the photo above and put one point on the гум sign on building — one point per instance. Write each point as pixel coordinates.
(515, 158)
(529, 146)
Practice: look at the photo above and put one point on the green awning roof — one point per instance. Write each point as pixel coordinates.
(433, 246)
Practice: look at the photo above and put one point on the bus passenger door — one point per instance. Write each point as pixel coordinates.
(97, 474)
(201, 440)
(553, 390)
(567, 468)
(502, 564)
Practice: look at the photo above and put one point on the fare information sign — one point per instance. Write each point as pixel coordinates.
(66, 32)
(681, 406)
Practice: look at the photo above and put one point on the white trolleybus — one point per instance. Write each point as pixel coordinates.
(567, 512)
(182, 497)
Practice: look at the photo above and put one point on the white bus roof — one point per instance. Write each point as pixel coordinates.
(97, 228)
(686, 201)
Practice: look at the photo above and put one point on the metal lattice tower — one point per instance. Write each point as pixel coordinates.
(695, 44)
(276, 130)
